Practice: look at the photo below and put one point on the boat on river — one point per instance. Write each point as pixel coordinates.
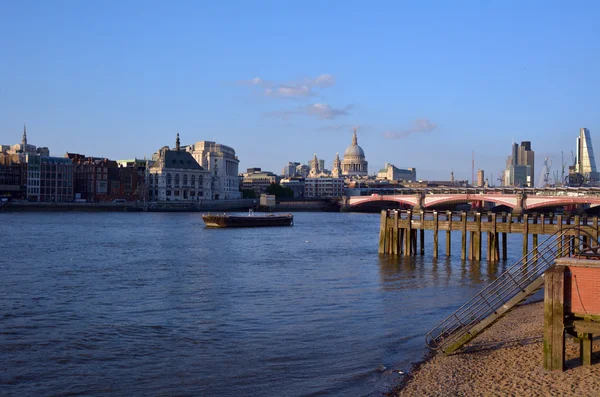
(250, 220)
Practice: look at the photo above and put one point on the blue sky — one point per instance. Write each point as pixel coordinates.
(426, 83)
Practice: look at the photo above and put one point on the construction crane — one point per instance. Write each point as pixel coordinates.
(559, 179)
(500, 178)
(544, 176)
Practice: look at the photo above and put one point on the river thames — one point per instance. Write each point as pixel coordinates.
(125, 304)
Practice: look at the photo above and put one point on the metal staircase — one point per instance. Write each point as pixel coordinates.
(510, 288)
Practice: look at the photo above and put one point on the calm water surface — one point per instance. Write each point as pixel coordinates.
(155, 304)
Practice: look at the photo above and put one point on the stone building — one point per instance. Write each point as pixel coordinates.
(258, 180)
(222, 164)
(323, 187)
(354, 163)
(392, 173)
(176, 175)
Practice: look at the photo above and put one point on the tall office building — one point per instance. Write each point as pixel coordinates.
(480, 178)
(585, 163)
(520, 166)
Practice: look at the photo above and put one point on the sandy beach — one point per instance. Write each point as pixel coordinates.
(506, 360)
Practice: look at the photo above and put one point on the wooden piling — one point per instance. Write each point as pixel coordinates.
(525, 237)
(559, 223)
(395, 233)
(463, 221)
(435, 234)
(478, 236)
(558, 318)
(504, 235)
(407, 234)
(535, 240)
(448, 232)
(382, 231)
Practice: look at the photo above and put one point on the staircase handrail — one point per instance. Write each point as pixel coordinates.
(506, 287)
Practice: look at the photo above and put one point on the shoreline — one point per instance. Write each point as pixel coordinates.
(504, 360)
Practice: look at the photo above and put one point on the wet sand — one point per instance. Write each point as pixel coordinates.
(506, 360)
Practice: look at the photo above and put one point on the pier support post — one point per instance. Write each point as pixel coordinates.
(448, 232)
(595, 228)
(559, 223)
(382, 231)
(504, 243)
(576, 243)
(408, 235)
(463, 220)
(535, 240)
(554, 322)
(585, 348)
(525, 237)
(435, 234)
(395, 241)
(422, 240)
(478, 237)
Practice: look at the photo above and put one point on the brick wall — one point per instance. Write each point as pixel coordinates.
(582, 290)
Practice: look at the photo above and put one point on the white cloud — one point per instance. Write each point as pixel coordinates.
(419, 125)
(291, 90)
(321, 111)
(322, 81)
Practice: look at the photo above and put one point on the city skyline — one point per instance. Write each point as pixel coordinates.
(444, 82)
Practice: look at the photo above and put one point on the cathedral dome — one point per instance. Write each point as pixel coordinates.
(354, 150)
(354, 163)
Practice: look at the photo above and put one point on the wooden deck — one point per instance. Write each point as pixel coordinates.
(398, 231)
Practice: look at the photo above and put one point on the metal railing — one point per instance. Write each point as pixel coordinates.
(504, 293)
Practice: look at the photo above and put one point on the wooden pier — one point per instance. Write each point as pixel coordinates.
(400, 230)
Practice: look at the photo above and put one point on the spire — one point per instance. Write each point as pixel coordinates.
(337, 157)
(177, 142)
(24, 140)
(354, 139)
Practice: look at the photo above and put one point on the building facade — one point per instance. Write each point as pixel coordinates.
(354, 162)
(392, 173)
(323, 187)
(520, 166)
(24, 148)
(258, 180)
(585, 162)
(222, 164)
(176, 175)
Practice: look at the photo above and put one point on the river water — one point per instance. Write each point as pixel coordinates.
(126, 304)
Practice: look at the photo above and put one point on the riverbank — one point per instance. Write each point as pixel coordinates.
(506, 360)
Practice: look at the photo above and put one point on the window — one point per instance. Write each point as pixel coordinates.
(176, 180)
(169, 181)
(200, 181)
(193, 180)
(185, 180)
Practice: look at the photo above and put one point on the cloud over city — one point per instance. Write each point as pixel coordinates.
(419, 125)
(320, 111)
(294, 90)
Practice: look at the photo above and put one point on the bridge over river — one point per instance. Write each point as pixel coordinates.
(516, 199)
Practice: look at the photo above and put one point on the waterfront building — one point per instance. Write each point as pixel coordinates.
(585, 162)
(258, 180)
(49, 179)
(392, 173)
(296, 185)
(176, 175)
(520, 166)
(222, 164)
(13, 176)
(354, 163)
(323, 187)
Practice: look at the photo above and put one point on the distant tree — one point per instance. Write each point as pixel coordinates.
(280, 191)
(248, 193)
